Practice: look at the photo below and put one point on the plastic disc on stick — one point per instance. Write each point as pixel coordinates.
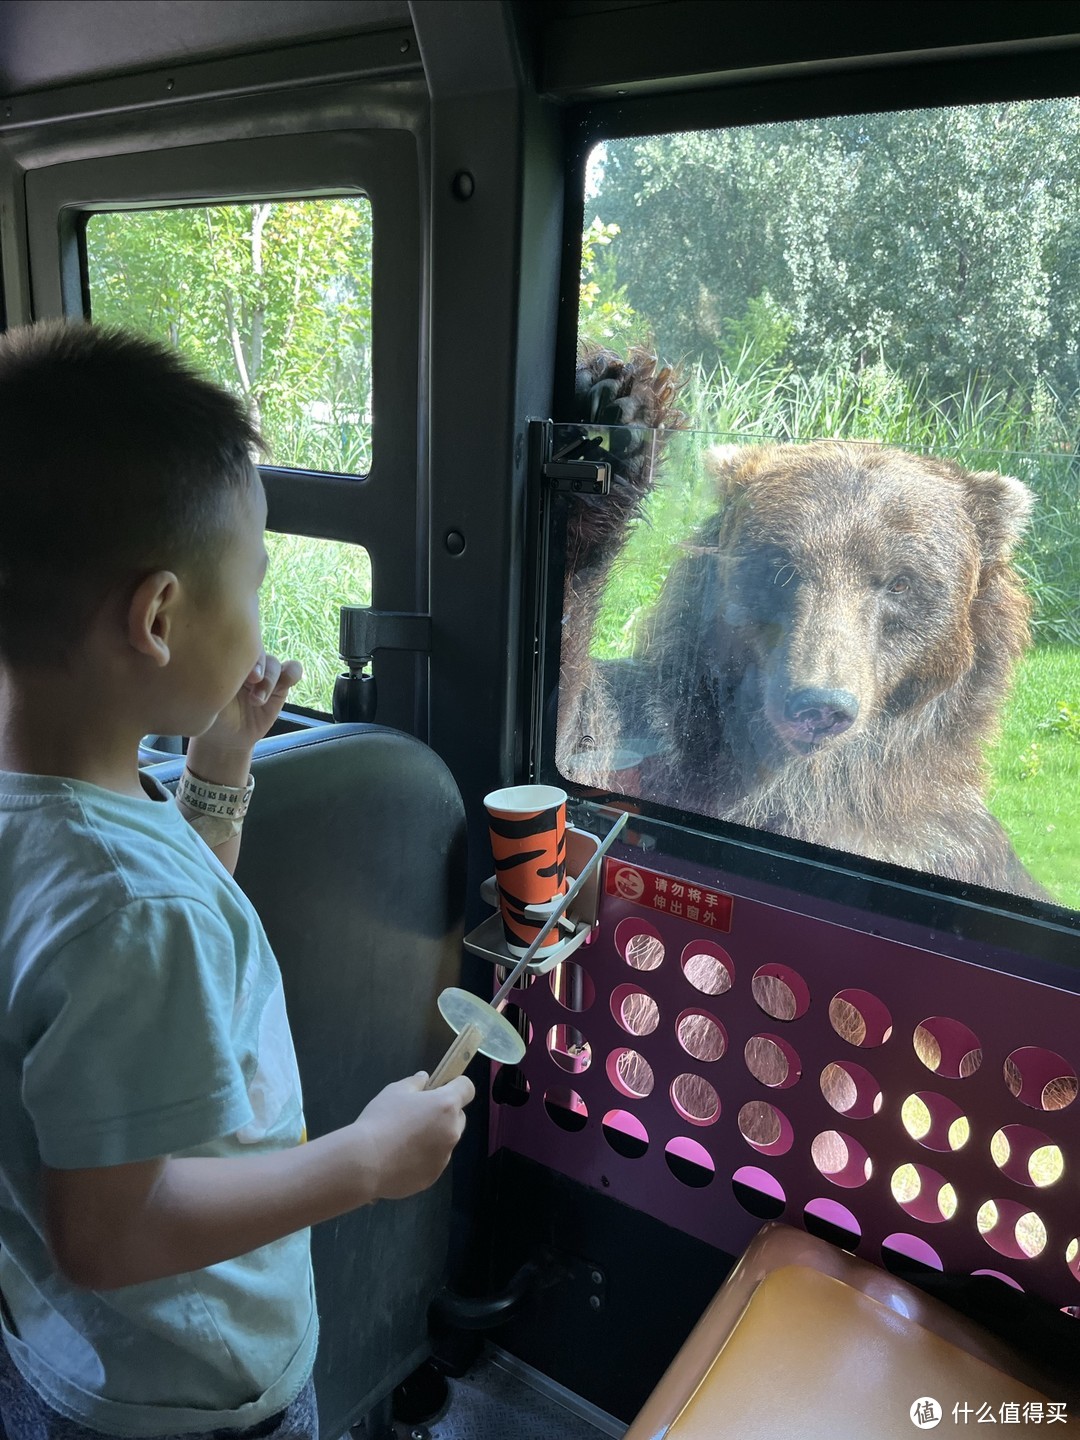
(500, 1041)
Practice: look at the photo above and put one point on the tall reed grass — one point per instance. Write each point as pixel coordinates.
(306, 583)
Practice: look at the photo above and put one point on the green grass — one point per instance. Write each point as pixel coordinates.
(1035, 764)
(306, 584)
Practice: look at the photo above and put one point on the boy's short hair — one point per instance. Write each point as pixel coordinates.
(116, 460)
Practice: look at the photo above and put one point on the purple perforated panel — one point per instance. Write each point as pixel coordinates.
(793, 1067)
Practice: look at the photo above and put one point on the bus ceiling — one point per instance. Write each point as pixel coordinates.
(575, 49)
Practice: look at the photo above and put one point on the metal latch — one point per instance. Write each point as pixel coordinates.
(363, 631)
(578, 477)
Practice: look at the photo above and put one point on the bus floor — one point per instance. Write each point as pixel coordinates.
(499, 1398)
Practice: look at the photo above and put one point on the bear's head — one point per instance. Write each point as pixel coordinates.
(865, 583)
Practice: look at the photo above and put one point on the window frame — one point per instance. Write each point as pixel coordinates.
(1003, 932)
(385, 510)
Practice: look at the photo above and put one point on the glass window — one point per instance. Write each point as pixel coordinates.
(307, 581)
(270, 298)
(835, 596)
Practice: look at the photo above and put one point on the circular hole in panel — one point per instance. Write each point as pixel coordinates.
(765, 1128)
(689, 1162)
(572, 986)
(637, 1012)
(566, 1108)
(936, 1123)
(947, 1047)
(1011, 1229)
(1026, 1156)
(780, 992)
(850, 1089)
(829, 1220)
(625, 1134)
(523, 981)
(1072, 1258)
(905, 1254)
(923, 1194)
(772, 1061)
(569, 1049)
(520, 1021)
(840, 1159)
(860, 1018)
(708, 967)
(695, 1099)
(509, 1087)
(630, 1073)
(758, 1192)
(639, 944)
(998, 1275)
(1040, 1078)
(702, 1037)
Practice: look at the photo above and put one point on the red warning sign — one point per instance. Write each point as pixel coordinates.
(667, 893)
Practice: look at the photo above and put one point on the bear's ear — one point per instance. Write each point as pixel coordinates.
(1000, 506)
(733, 465)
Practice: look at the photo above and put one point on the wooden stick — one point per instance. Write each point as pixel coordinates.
(457, 1058)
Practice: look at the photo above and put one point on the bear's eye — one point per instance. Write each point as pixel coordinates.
(900, 585)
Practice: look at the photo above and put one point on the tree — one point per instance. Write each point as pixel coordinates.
(943, 242)
(271, 299)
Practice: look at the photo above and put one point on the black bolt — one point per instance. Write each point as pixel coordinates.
(463, 185)
(455, 542)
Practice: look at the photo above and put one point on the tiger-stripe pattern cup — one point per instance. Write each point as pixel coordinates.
(527, 824)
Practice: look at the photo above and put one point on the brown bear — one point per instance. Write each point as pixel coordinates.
(827, 659)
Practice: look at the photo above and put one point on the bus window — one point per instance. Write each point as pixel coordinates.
(835, 598)
(272, 299)
(307, 581)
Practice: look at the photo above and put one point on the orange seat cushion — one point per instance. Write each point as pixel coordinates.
(813, 1357)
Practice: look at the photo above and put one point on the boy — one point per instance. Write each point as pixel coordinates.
(155, 1190)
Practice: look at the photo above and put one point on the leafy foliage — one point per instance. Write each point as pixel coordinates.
(607, 317)
(271, 299)
(944, 242)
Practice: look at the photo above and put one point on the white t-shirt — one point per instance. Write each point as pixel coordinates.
(141, 1014)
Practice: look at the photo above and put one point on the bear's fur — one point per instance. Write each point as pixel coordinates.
(828, 657)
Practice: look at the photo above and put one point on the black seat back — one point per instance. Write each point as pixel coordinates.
(354, 856)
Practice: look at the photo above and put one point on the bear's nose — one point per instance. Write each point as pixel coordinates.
(822, 712)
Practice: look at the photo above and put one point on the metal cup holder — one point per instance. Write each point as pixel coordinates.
(577, 924)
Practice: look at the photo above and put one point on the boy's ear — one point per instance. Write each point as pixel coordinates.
(150, 615)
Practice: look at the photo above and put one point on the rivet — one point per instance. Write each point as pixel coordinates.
(463, 185)
(170, 84)
(455, 542)
(404, 47)
(594, 1302)
(597, 1278)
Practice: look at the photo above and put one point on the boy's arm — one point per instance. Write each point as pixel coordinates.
(222, 755)
(126, 1224)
